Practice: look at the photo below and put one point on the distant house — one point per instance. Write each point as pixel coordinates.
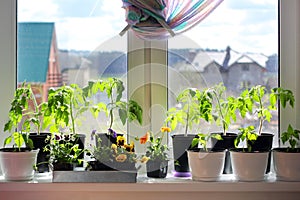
(236, 70)
(37, 57)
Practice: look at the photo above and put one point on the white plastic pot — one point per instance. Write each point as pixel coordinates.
(206, 166)
(286, 165)
(249, 166)
(18, 166)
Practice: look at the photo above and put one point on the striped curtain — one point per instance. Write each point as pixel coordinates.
(161, 19)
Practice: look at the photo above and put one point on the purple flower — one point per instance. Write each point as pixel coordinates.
(112, 133)
(93, 134)
(57, 137)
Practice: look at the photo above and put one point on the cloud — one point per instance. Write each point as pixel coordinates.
(80, 25)
(84, 25)
(251, 30)
(36, 10)
(251, 4)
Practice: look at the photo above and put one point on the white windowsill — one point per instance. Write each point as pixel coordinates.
(150, 188)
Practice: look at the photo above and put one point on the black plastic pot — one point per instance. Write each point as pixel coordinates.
(99, 166)
(62, 167)
(157, 169)
(226, 143)
(107, 139)
(264, 142)
(80, 141)
(39, 142)
(181, 144)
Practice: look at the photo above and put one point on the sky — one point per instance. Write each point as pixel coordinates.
(245, 26)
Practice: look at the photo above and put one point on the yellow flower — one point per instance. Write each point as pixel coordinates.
(144, 159)
(165, 129)
(129, 147)
(114, 147)
(121, 158)
(121, 141)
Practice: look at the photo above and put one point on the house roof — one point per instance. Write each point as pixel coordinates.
(34, 42)
(205, 58)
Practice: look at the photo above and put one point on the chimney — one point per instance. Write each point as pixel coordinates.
(227, 58)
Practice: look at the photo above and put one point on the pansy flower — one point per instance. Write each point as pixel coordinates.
(144, 159)
(121, 141)
(112, 132)
(121, 158)
(129, 147)
(114, 147)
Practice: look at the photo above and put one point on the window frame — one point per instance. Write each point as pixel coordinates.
(289, 51)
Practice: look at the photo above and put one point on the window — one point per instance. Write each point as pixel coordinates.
(288, 61)
(64, 42)
(245, 67)
(232, 46)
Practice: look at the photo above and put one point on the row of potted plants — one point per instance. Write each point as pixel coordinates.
(63, 147)
(55, 123)
(243, 151)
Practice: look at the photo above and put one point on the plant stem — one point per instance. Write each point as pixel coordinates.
(36, 107)
(111, 110)
(111, 118)
(261, 118)
(187, 120)
(71, 114)
(221, 113)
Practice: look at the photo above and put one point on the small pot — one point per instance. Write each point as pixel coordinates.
(99, 166)
(181, 144)
(18, 166)
(206, 166)
(81, 144)
(227, 143)
(107, 139)
(264, 142)
(249, 166)
(157, 169)
(39, 142)
(62, 166)
(287, 164)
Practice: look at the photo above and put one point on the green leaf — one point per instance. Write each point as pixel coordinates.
(217, 136)
(18, 139)
(195, 142)
(292, 143)
(123, 116)
(7, 140)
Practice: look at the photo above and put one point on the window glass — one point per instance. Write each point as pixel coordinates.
(70, 41)
(236, 45)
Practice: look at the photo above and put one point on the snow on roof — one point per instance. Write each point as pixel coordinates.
(204, 58)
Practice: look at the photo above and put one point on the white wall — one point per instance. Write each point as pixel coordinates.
(7, 58)
(290, 58)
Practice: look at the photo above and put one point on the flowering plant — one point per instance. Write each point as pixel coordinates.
(155, 149)
(117, 155)
(64, 148)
